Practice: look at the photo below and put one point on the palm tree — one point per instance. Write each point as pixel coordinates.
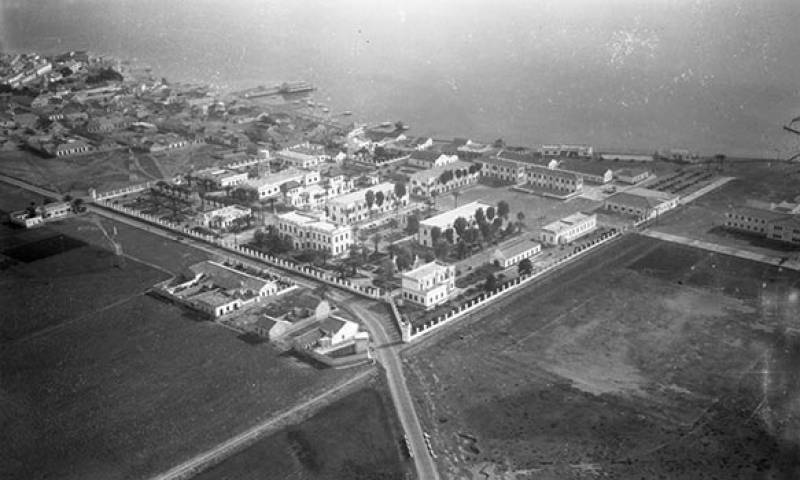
(456, 194)
(520, 218)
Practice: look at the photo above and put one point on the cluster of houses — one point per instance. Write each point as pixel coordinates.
(37, 215)
(300, 319)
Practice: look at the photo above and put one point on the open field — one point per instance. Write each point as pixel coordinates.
(356, 438)
(645, 359)
(98, 380)
(538, 211)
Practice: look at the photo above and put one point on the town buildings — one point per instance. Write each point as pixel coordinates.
(445, 221)
(513, 252)
(270, 185)
(217, 289)
(579, 151)
(429, 182)
(568, 229)
(225, 217)
(506, 171)
(430, 159)
(429, 285)
(312, 232)
(221, 178)
(353, 207)
(641, 203)
(304, 155)
(558, 182)
(590, 171)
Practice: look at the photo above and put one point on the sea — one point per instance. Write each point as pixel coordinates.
(712, 76)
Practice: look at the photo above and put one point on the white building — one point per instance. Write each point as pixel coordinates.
(352, 207)
(53, 211)
(270, 185)
(222, 178)
(304, 155)
(313, 233)
(429, 285)
(224, 217)
(632, 175)
(445, 220)
(558, 181)
(24, 219)
(568, 229)
(336, 330)
(515, 251)
(581, 151)
(426, 182)
(430, 159)
(508, 171)
(641, 203)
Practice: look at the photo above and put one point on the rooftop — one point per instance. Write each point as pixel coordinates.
(517, 246)
(229, 278)
(359, 195)
(278, 177)
(426, 270)
(446, 219)
(436, 171)
(583, 166)
(212, 298)
(567, 222)
(332, 325)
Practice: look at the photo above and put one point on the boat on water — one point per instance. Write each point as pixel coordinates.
(284, 88)
(347, 113)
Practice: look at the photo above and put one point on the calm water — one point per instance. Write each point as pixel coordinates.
(708, 75)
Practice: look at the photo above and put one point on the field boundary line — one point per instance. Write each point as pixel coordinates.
(233, 445)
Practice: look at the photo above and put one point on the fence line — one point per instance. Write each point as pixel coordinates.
(486, 297)
(303, 270)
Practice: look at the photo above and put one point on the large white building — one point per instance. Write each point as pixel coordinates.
(641, 203)
(429, 285)
(568, 229)
(430, 159)
(445, 220)
(558, 181)
(772, 224)
(304, 155)
(313, 233)
(515, 251)
(270, 185)
(427, 182)
(222, 178)
(352, 207)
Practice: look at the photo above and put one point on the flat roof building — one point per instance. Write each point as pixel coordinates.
(445, 221)
(429, 285)
(568, 229)
(312, 233)
(642, 203)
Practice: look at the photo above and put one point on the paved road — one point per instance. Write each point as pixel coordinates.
(30, 188)
(194, 465)
(388, 356)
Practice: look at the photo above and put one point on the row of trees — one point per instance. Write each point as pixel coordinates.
(525, 267)
(465, 234)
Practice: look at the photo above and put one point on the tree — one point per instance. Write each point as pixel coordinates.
(499, 143)
(445, 177)
(525, 267)
(412, 224)
(370, 198)
(376, 239)
(486, 232)
(475, 168)
(77, 205)
(379, 198)
(460, 225)
(471, 235)
(490, 213)
(502, 209)
(436, 234)
(441, 249)
(462, 249)
(448, 235)
(456, 194)
(491, 283)
(403, 258)
(479, 217)
(520, 218)
(399, 190)
(497, 224)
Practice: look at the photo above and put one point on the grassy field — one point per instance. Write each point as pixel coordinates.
(357, 437)
(644, 360)
(99, 380)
